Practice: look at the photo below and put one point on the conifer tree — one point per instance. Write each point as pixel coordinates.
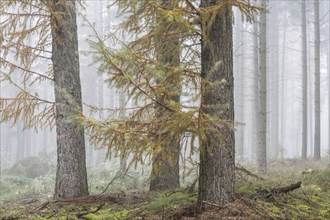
(206, 69)
(52, 25)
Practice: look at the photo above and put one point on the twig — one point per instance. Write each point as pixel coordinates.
(91, 212)
(212, 204)
(44, 205)
(49, 217)
(242, 169)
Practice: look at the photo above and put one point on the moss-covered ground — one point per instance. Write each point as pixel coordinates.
(128, 197)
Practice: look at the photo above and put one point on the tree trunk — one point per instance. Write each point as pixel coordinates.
(239, 91)
(71, 175)
(304, 83)
(165, 164)
(317, 134)
(20, 149)
(329, 83)
(255, 87)
(217, 153)
(122, 105)
(275, 87)
(262, 115)
(283, 88)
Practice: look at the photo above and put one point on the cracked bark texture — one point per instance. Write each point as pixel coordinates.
(217, 154)
(71, 175)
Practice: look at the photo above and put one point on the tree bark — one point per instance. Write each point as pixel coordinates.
(262, 109)
(304, 83)
(71, 175)
(217, 153)
(165, 164)
(317, 134)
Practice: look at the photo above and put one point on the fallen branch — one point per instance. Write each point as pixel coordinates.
(275, 191)
(286, 189)
(44, 205)
(242, 169)
(79, 215)
(212, 204)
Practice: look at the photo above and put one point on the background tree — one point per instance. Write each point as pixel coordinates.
(317, 134)
(262, 107)
(304, 85)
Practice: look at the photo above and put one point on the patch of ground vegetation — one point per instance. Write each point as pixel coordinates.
(127, 197)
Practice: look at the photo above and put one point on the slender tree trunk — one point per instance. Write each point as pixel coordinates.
(239, 91)
(283, 88)
(217, 153)
(275, 85)
(317, 134)
(242, 71)
(262, 115)
(304, 83)
(255, 87)
(122, 105)
(101, 153)
(165, 164)
(71, 175)
(329, 81)
(20, 149)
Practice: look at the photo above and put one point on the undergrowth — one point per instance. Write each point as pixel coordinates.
(22, 198)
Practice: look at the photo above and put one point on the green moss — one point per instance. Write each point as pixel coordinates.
(168, 200)
(108, 214)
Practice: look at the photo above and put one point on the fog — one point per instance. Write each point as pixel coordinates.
(284, 86)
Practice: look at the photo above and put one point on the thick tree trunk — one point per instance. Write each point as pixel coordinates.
(262, 109)
(71, 175)
(304, 83)
(317, 134)
(165, 164)
(217, 153)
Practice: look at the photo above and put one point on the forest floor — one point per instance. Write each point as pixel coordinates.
(292, 189)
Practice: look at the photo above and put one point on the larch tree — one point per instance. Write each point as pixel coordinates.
(217, 150)
(262, 104)
(71, 174)
(147, 70)
(317, 100)
(165, 164)
(52, 25)
(304, 82)
(150, 75)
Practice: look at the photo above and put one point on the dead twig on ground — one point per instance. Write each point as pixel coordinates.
(239, 167)
(79, 215)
